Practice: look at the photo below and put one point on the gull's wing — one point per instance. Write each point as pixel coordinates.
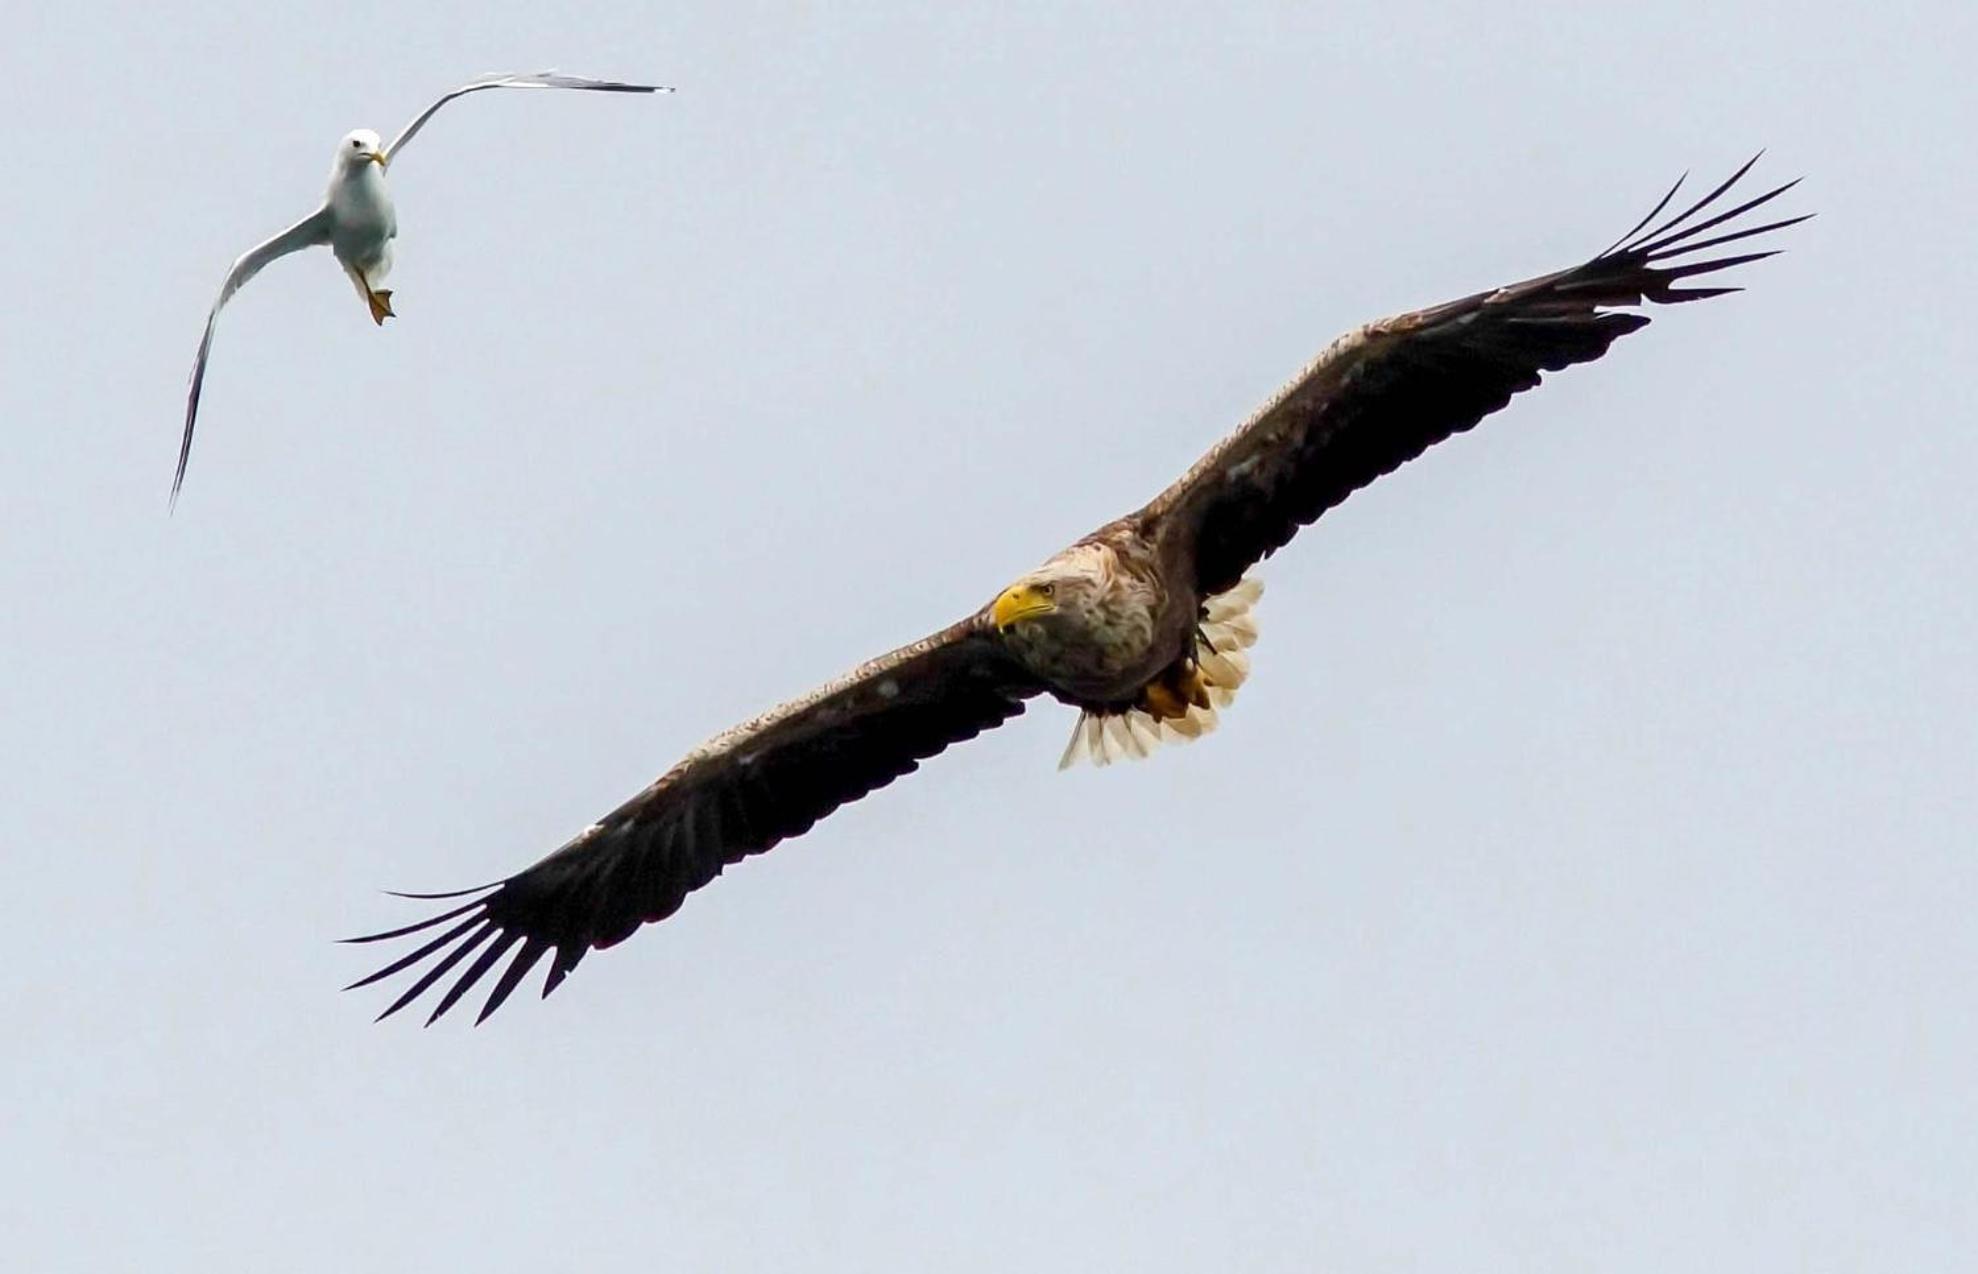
(538, 79)
(1382, 395)
(738, 794)
(312, 230)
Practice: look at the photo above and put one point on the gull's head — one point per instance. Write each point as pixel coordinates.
(360, 147)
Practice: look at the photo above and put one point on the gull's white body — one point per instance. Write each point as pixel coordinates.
(357, 221)
(362, 221)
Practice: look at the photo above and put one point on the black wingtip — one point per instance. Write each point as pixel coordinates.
(1676, 296)
(511, 977)
(555, 79)
(1693, 268)
(1635, 239)
(1660, 204)
(407, 961)
(451, 937)
(475, 972)
(415, 927)
(1674, 235)
(460, 952)
(1718, 241)
(451, 893)
(1662, 249)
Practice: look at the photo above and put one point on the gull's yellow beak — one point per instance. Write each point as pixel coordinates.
(1020, 602)
(377, 157)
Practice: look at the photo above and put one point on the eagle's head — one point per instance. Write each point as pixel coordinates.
(1061, 594)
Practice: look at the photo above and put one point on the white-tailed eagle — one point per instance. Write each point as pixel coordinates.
(1142, 626)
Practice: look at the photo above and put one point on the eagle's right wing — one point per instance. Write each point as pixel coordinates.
(738, 794)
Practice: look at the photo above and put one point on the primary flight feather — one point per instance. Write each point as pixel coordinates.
(1143, 625)
(357, 221)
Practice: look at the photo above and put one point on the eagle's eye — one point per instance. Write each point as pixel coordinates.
(1048, 589)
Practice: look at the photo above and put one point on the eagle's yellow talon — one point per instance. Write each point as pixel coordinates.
(1162, 703)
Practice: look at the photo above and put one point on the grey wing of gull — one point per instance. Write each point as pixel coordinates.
(312, 230)
(535, 79)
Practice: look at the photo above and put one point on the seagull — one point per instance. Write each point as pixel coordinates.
(357, 221)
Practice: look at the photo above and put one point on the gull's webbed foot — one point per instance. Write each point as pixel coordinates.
(380, 306)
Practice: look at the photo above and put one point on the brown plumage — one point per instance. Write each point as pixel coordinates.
(1140, 624)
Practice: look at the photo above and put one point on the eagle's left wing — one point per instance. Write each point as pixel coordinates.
(1380, 396)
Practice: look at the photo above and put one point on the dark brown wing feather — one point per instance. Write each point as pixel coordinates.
(738, 794)
(1382, 395)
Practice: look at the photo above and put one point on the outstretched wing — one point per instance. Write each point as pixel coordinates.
(738, 794)
(1380, 396)
(306, 233)
(539, 79)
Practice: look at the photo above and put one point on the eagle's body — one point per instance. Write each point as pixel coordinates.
(1114, 627)
(1107, 619)
(1141, 625)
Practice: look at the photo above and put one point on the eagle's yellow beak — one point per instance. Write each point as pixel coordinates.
(1020, 602)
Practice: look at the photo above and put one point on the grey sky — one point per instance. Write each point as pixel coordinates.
(1584, 880)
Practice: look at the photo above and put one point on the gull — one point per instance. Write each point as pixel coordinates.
(357, 221)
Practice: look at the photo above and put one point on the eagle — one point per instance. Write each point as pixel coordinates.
(1143, 626)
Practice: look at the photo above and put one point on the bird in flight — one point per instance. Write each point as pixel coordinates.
(357, 221)
(1142, 626)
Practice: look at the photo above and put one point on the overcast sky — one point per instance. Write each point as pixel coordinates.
(1585, 879)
